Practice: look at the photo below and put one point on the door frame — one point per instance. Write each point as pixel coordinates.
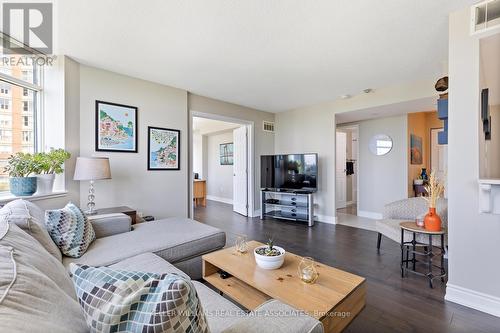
(356, 128)
(250, 157)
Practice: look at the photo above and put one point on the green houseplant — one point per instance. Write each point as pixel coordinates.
(47, 166)
(21, 167)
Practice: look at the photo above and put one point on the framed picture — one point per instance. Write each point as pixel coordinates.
(116, 127)
(415, 149)
(164, 150)
(226, 154)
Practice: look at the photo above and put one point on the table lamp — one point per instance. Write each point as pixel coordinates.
(92, 168)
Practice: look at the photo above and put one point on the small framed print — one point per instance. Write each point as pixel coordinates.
(226, 154)
(163, 148)
(116, 127)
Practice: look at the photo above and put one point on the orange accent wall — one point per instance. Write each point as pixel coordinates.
(420, 124)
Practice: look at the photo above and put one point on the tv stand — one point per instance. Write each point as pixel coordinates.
(287, 205)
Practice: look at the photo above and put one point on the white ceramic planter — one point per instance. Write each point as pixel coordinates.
(267, 262)
(45, 183)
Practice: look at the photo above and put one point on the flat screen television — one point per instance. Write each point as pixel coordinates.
(289, 172)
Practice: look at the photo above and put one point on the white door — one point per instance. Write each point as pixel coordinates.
(439, 156)
(240, 183)
(340, 176)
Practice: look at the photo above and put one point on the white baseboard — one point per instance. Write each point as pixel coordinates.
(220, 199)
(370, 215)
(325, 219)
(256, 213)
(473, 299)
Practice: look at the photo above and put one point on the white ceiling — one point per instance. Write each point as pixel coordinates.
(208, 126)
(396, 109)
(272, 55)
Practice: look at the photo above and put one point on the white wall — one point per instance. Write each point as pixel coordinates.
(473, 237)
(198, 154)
(158, 193)
(61, 111)
(263, 142)
(312, 129)
(382, 179)
(220, 177)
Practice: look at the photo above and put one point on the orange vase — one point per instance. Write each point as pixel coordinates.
(432, 221)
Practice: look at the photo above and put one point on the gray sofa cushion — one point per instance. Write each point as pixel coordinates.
(110, 224)
(274, 316)
(31, 219)
(147, 262)
(220, 312)
(36, 293)
(173, 239)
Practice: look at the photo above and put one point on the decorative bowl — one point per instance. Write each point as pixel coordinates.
(269, 262)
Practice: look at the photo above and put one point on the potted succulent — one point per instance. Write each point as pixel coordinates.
(269, 256)
(48, 165)
(20, 167)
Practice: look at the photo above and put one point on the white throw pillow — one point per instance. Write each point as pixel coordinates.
(30, 218)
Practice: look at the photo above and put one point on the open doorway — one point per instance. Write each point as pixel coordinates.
(347, 169)
(220, 156)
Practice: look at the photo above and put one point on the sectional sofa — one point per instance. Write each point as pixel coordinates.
(37, 294)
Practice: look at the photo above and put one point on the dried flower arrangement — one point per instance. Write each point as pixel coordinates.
(435, 189)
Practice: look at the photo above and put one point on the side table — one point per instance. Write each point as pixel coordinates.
(410, 247)
(120, 209)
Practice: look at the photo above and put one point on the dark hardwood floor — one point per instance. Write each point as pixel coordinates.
(393, 304)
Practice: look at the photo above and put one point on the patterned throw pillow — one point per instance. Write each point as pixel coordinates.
(70, 230)
(127, 301)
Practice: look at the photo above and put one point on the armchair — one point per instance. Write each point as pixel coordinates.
(408, 210)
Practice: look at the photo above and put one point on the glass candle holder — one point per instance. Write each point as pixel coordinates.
(419, 221)
(307, 270)
(241, 245)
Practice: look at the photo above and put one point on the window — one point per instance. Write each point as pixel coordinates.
(27, 137)
(19, 105)
(5, 135)
(4, 103)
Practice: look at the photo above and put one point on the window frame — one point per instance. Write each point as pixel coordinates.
(37, 105)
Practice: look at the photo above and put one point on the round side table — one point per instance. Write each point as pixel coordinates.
(433, 271)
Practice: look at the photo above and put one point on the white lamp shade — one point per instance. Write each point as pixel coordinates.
(92, 168)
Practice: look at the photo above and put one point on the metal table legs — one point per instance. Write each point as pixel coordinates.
(432, 270)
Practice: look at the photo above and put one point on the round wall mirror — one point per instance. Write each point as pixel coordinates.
(380, 144)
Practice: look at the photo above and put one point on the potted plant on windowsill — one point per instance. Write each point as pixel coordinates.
(48, 165)
(20, 166)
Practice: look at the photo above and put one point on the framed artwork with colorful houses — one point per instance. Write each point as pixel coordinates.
(116, 127)
(163, 148)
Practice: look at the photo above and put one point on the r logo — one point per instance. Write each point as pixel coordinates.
(29, 23)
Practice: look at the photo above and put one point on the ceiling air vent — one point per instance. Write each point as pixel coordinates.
(485, 16)
(268, 126)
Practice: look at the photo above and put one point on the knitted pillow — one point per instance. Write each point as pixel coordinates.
(70, 230)
(128, 301)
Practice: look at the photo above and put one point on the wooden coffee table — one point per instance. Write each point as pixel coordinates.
(335, 298)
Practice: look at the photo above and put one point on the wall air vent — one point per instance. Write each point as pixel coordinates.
(485, 16)
(268, 126)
